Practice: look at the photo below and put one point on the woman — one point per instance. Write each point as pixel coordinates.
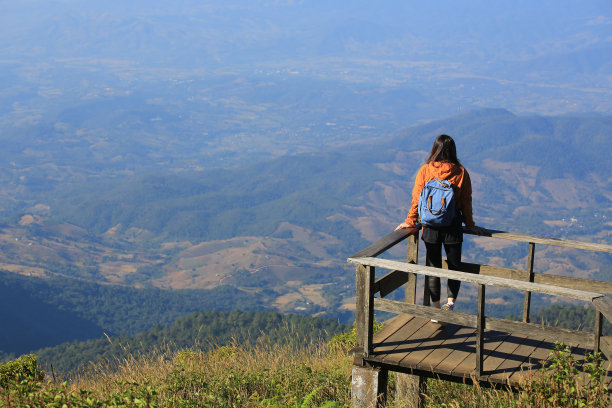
(443, 164)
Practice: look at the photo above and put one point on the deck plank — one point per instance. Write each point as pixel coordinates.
(468, 366)
(496, 351)
(390, 327)
(514, 363)
(429, 348)
(532, 363)
(459, 335)
(415, 343)
(464, 346)
(396, 339)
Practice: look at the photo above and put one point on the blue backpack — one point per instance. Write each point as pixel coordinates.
(437, 203)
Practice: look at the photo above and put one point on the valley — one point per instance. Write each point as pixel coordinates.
(283, 228)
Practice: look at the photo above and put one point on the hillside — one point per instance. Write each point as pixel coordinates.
(40, 313)
(514, 161)
(275, 234)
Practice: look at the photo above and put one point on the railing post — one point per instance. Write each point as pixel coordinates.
(412, 257)
(411, 388)
(597, 331)
(364, 313)
(480, 324)
(527, 305)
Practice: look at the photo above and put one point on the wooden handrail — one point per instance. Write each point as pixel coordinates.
(398, 236)
(478, 279)
(604, 305)
(555, 280)
(589, 246)
(386, 242)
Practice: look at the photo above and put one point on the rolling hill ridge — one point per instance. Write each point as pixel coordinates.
(276, 233)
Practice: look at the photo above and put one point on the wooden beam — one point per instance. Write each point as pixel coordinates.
(604, 305)
(480, 326)
(597, 332)
(606, 347)
(412, 256)
(489, 270)
(394, 306)
(364, 312)
(529, 270)
(411, 285)
(574, 283)
(547, 279)
(478, 279)
(589, 246)
(390, 282)
(548, 333)
(386, 242)
(412, 250)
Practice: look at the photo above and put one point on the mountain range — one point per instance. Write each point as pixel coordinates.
(275, 234)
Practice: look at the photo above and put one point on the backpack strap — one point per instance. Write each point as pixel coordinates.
(429, 205)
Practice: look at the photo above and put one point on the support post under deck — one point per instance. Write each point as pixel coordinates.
(368, 387)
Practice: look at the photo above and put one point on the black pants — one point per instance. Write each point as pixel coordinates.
(433, 257)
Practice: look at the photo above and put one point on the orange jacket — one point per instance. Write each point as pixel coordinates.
(462, 186)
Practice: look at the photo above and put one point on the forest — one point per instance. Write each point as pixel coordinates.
(204, 331)
(38, 313)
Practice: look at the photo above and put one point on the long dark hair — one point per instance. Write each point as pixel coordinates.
(443, 150)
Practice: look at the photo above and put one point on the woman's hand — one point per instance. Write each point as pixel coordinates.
(404, 225)
(479, 230)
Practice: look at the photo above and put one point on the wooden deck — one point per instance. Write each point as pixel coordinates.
(416, 345)
(467, 348)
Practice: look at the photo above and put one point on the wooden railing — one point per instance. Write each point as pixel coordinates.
(405, 274)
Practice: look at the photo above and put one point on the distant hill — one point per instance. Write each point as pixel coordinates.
(557, 145)
(477, 38)
(519, 163)
(114, 89)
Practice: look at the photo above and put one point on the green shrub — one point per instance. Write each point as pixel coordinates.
(21, 373)
(560, 383)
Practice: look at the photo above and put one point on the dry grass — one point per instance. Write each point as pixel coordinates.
(263, 374)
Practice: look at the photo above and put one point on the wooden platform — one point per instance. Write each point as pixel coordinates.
(418, 346)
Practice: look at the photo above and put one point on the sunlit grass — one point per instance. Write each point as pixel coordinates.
(265, 374)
